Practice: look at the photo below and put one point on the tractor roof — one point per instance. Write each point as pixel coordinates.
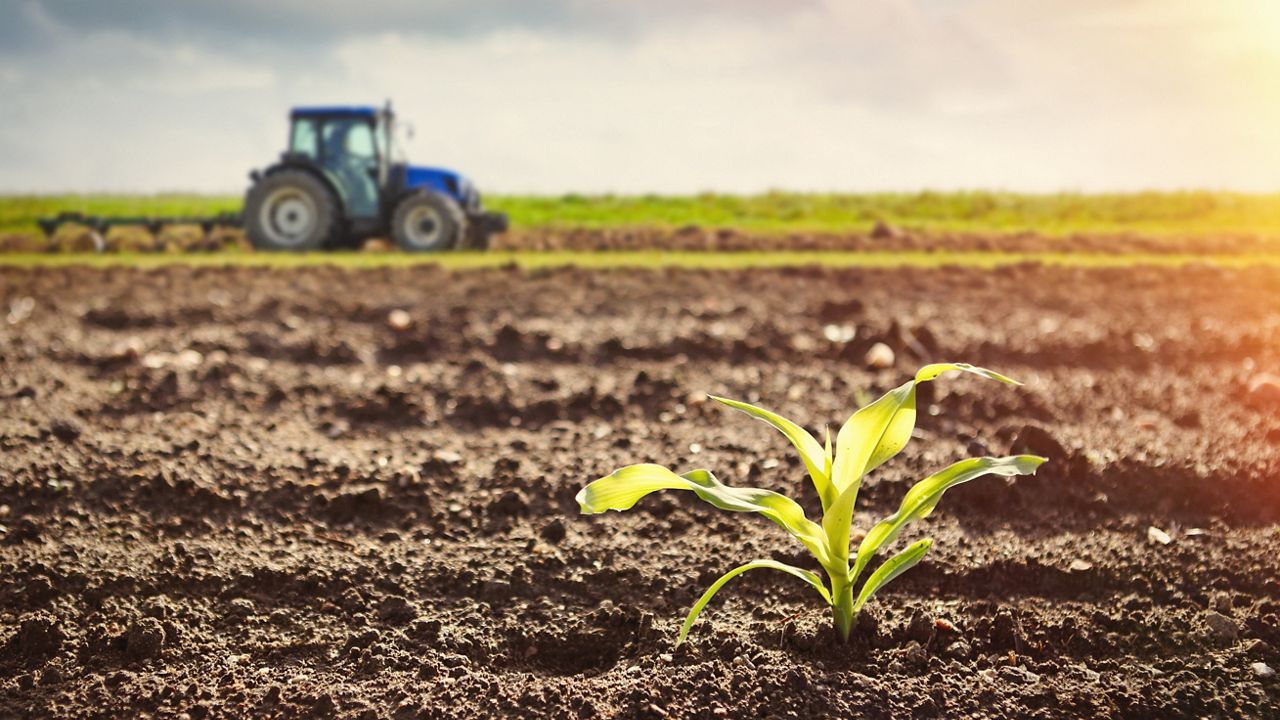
(365, 112)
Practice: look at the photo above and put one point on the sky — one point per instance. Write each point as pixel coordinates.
(663, 96)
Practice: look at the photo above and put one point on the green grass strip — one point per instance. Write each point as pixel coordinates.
(1186, 213)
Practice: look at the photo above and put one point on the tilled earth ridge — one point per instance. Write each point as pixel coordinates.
(888, 239)
(331, 493)
(695, 238)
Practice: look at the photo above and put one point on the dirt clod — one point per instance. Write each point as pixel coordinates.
(884, 231)
(553, 531)
(1006, 632)
(65, 429)
(1224, 629)
(39, 636)
(144, 639)
(920, 627)
(511, 502)
(1036, 440)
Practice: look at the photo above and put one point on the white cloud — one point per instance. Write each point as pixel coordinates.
(837, 95)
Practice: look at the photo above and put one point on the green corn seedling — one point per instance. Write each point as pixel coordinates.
(871, 436)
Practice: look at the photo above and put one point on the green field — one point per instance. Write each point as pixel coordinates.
(621, 259)
(1164, 213)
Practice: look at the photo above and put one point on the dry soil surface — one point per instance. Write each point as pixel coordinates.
(327, 493)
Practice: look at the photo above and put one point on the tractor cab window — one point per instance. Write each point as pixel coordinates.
(303, 141)
(349, 139)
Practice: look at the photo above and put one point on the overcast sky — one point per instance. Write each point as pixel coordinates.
(669, 96)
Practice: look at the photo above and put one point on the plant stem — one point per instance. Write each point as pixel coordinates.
(842, 611)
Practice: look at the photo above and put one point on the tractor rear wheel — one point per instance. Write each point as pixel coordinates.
(291, 210)
(428, 222)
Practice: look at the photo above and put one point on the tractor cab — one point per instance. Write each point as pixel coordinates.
(340, 180)
(352, 144)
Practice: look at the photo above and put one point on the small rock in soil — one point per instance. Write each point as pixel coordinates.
(399, 320)
(879, 357)
(20, 309)
(1037, 441)
(144, 639)
(1157, 536)
(839, 333)
(1263, 670)
(1222, 627)
(65, 430)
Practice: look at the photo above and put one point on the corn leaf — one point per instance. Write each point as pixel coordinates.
(892, 568)
(931, 372)
(625, 487)
(923, 497)
(810, 451)
(809, 577)
(873, 435)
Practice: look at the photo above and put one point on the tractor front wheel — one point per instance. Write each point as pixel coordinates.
(291, 210)
(428, 222)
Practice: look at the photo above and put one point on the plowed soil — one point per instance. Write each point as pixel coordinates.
(251, 493)
(693, 238)
(882, 239)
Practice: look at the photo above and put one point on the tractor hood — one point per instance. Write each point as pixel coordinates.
(442, 181)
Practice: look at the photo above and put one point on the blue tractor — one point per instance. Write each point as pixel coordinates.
(340, 181)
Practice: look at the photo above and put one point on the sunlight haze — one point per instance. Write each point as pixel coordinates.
(669, 97)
